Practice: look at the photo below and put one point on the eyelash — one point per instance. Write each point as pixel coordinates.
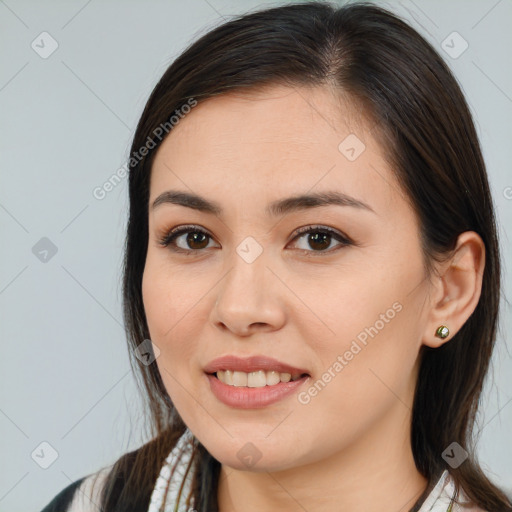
(169, 238)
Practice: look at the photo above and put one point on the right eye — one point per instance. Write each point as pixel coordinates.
(186, 239)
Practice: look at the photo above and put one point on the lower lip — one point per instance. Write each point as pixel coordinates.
(252, 398)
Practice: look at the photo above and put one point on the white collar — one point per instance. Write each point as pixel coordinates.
(177, 470)
(440, 497)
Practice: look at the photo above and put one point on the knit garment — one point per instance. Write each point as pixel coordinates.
(174, 473)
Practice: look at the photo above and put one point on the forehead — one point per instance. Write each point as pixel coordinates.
(271, 142)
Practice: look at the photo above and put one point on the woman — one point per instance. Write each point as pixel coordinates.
(312, 252)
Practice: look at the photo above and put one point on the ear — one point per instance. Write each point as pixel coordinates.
(456, 288)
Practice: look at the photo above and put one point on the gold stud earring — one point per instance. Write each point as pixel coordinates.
(442, 331)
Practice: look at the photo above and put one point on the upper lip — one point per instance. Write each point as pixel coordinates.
(251, 364)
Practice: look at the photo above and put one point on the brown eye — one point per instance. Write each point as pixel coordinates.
(320, 238)
(187, 239)
(196, 240)
(191, 239)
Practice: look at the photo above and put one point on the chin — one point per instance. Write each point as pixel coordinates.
(252, 453)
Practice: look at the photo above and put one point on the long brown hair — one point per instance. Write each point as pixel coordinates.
(419, 109)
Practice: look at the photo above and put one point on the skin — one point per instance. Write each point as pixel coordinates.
(349, 447)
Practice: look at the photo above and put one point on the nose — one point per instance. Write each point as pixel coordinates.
(250, 298)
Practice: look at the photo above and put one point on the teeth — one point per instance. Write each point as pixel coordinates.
(256, 379)
(273, 378)
(239, 379)
(228, 377)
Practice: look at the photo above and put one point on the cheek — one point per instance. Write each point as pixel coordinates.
(168, 295)
(361, 304)
(174, 306)
(361, 380)
(375, 340)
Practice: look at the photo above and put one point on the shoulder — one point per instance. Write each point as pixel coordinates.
(82, 495)
(462, 502)
(446, 497)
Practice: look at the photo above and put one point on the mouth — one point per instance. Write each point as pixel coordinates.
(253, 382)
(256, 379)
(256, 371)
(256, 389)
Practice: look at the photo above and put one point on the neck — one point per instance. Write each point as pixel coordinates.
(375, 469)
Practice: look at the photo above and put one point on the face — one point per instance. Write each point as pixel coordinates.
(340, 304)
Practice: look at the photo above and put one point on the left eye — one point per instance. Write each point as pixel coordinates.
(195, 239)
(321, 238)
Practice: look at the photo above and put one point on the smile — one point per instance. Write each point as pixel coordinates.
(257, 379)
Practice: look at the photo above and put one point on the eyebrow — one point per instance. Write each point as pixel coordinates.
(274, 209)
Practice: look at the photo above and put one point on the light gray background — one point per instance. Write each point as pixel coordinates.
(66, 126)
